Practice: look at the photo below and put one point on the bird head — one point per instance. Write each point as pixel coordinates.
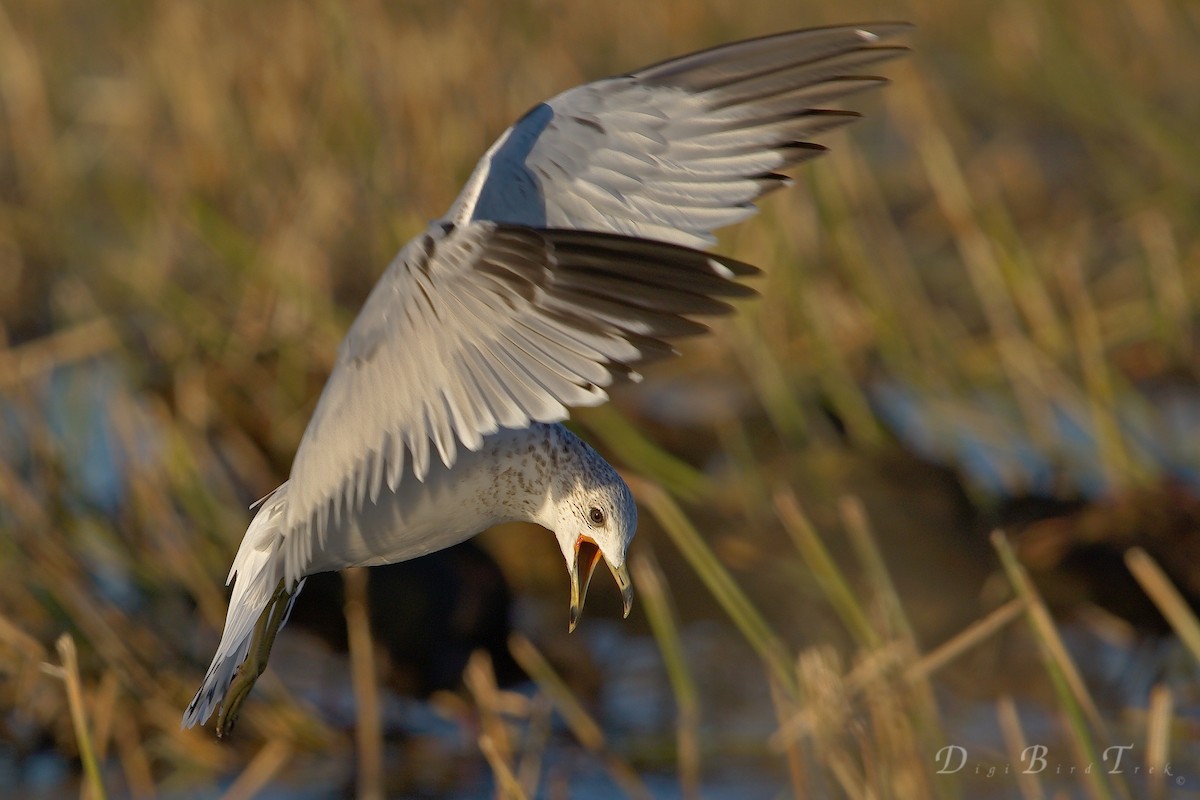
(596, 519)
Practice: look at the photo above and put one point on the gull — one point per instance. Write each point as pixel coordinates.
(575, 250)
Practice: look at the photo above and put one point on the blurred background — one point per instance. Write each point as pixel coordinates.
(936, 488)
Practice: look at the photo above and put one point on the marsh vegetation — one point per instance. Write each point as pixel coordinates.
(936, 487)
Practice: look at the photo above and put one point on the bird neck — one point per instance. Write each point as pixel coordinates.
(525, 467)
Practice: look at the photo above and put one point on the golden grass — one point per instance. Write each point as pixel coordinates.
(368, 733)
(68, 673)
(652, 588)
(199, 195)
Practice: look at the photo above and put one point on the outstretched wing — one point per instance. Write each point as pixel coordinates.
(485, 326)
(534, 292)
(676, 150)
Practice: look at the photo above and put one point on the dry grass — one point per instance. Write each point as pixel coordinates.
(195, 196)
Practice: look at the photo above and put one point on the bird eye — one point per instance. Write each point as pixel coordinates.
(596, 516)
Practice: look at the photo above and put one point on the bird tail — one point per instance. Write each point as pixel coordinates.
(259, 569)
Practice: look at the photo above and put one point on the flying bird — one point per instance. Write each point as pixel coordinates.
(573, 252)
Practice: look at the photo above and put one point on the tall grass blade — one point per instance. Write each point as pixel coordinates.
(1029, 783)
(1080, 709)
(68, 673)
(837, 590)
(368, 727)
(718, 580)
(581, 723)
(1158, 740)
(652, 588)
(509, 787)
(1166, 598)
(924, 709)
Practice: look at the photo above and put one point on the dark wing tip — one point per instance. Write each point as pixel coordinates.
(645, 288)
(840, 37)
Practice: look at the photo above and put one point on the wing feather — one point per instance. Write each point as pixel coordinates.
(680, 149)
(484, 326)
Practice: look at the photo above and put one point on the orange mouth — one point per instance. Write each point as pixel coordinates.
(587, 556)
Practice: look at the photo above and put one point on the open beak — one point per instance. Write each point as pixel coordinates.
(587, 556)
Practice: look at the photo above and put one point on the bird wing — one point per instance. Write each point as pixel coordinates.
(478, 327)
(676, 150)
(518, 305)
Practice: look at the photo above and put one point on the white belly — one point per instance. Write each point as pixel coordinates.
(450, 506)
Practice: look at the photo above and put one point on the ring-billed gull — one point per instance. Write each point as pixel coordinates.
(565, 262)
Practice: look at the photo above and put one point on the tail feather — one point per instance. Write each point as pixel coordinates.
(258, 567)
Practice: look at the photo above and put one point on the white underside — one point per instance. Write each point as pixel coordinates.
(450, 506)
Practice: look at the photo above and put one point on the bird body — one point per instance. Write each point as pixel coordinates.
(515, 475)
(564, 264)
